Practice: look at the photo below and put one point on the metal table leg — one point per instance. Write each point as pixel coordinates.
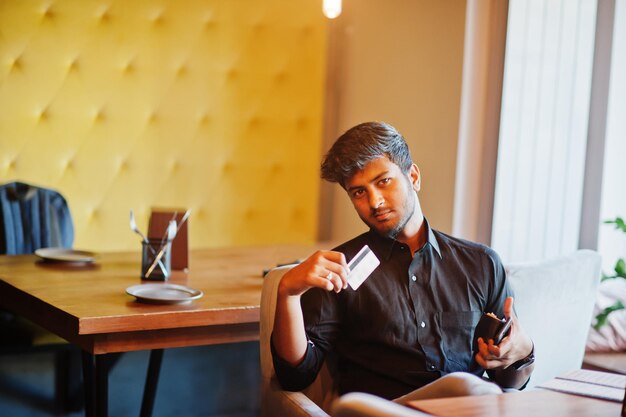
(152, 380)
(89, 382)
(96, 378)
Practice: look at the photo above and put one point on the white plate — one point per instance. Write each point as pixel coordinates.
(163, 293)
(65, 255)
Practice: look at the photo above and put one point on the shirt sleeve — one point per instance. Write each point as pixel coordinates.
(321, 325)
(501, 289)
(296, 378)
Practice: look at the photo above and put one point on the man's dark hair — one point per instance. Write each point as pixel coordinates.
(360, 145)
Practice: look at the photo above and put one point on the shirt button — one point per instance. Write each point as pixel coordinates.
(414, 278)
(422, 324)
(432, 366)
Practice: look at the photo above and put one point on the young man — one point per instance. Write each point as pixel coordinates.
(407, 330)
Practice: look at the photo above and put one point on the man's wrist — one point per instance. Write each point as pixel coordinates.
(525, 361)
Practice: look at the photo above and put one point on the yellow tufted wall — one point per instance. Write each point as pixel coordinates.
(212, 105)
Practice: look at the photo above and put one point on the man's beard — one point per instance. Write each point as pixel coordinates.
(408, 213)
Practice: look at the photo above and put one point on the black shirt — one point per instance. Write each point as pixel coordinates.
(409, 323)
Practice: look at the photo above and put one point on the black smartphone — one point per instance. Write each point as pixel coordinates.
(502, 332)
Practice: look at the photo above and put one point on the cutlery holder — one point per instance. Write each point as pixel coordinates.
(150, 250)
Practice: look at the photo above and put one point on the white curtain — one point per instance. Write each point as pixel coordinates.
(543, 128)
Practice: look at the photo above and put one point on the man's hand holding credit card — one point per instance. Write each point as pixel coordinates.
(361, 266)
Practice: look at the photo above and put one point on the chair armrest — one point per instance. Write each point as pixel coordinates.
(358, 404)
(277, 402)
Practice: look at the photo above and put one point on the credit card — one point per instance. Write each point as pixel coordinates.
(361, 266)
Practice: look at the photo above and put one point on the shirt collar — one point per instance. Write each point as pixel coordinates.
(387, 244)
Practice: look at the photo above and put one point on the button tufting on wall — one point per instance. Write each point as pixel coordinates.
(258, 27)
(209, 22)
(98, 116)
(254, 122)
(157, 17)
(103, 14)
(152, 118)
(306, 30)
(276, 168)
(93, 214)
(72, 65)
(42, 115)
(301, 123)
(297, 213)
(128, 67)
(68, 165)
(47, 13)
(250, 213)
(181, 71)
(15, 64)
(280, 77)
(204, 118)
(123, 165)
(231, 74)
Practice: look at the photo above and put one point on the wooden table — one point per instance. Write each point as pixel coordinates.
(533, 403)
(88, 306)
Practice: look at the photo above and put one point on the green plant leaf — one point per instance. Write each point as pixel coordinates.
(620, 268)
(603, 316)
(620, 271)
(618, 222)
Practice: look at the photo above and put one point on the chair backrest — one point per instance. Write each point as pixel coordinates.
(554, 301)
(33, 217)
(321, 391)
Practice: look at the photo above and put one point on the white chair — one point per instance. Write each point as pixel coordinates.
(554, 300)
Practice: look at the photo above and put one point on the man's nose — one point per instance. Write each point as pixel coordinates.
(376, 199)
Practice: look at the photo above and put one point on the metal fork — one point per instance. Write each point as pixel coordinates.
(134, 228)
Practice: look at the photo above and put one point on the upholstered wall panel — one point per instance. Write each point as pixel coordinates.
(211, 105)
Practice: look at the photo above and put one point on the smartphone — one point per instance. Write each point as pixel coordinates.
(502, 332)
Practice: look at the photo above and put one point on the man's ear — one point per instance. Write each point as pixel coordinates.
(415, 177)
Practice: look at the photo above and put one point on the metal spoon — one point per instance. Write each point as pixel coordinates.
(134, 228)
(183, 220)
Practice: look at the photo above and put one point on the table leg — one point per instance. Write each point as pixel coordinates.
(96, 379)
(102, 385)
(89, 383)
(152, 380)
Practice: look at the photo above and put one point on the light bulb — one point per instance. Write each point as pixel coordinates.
(331, 8)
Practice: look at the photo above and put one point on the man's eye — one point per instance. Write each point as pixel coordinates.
(385, 181)
(357, 193)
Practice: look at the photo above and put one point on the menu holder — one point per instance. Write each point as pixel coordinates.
(157, 225)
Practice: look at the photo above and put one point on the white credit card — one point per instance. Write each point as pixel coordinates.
(361, 266)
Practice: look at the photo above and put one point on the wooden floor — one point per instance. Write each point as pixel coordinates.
(208, 381)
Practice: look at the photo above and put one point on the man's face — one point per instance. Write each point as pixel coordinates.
(384, 197)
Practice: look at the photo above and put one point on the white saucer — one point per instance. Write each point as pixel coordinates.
(164, 293)
(65, 255)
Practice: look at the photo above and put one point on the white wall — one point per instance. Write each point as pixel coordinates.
(398, 61)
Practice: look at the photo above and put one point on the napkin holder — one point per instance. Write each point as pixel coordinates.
(157, 225)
